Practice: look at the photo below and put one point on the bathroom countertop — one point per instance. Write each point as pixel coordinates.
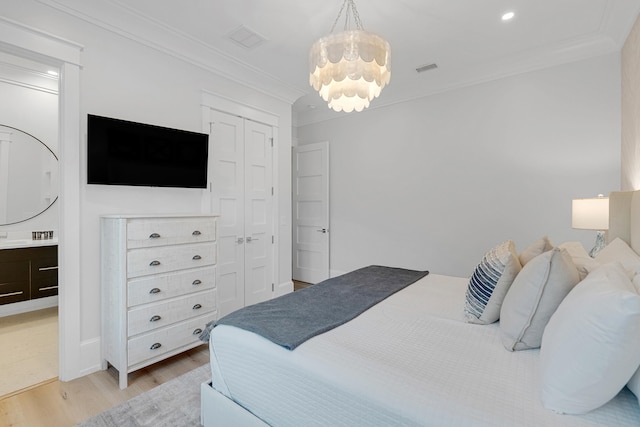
(26, 243)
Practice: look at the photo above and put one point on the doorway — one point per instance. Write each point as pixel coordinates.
(31, 43)
(28, 322)
(310, 187)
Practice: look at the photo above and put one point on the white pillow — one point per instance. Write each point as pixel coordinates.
(490, 282)
(584, 263)
(534, 296)
(618, 250)
(590, 347)
(538, 247)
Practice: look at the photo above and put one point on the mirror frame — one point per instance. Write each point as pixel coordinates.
(58, 192)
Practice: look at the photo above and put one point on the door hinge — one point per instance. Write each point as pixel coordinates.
(271, 141)
(272, 191)
(273, 287)
(273, 239)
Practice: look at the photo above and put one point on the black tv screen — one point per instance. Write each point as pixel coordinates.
(128, 153)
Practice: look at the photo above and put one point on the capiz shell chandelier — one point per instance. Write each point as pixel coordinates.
(349, 68)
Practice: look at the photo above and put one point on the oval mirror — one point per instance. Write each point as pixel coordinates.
(28, 176)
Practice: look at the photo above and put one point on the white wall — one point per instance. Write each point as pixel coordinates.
(124, 79)
(631, 110)
(433, 183)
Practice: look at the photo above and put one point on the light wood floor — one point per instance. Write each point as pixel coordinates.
(297, 285)
(64, 404)
(28, 349)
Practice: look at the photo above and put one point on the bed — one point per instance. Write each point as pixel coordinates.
(415, 359)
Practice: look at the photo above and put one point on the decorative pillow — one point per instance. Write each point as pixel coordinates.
(534, 296)
(618, 250)
(590, 348)
(538, 247)
(490, 282)
(584, 263)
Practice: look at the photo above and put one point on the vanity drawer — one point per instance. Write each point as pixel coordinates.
(142, 233)
(14, 281)
(157, 288)
(149, 317)
(141, 262)
(14, 291)
(44, 275)
(164, 340)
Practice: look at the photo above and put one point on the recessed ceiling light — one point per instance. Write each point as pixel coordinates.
(508, 16)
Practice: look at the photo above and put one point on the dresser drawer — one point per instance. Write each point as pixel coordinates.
(155, 288)
(142, 233)
(141, 262)
(164, 340)
(149, 317)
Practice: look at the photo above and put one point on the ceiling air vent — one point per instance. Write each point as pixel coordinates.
(426, 68)
(245, 37)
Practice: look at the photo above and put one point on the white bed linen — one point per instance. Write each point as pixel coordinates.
(410, 360)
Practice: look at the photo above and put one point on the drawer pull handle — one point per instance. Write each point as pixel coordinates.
(196, 257)
(155, 318)
(196, 233)
(10, 294)
(47, 268)
(197, 331)
(155, 291)
(154, 263)
(154, 236)
(48, 288)
(196, 282)
(155, 346)
(197, 307)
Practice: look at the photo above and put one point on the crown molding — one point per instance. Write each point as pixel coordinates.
(116, 17)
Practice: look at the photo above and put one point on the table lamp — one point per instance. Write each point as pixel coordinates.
(591, 214)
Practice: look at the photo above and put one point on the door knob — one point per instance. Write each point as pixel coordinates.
(251, 239)
(322, 230)
(240, 240)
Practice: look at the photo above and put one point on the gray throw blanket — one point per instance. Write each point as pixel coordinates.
(292, 319)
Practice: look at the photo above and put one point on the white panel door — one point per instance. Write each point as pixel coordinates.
(227, 185)
(311, 212)
(258, 213)
(241, 182)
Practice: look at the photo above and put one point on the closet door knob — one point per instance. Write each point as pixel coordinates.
(154, 236)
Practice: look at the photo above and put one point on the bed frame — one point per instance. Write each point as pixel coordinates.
(217, 409)
(624, 223)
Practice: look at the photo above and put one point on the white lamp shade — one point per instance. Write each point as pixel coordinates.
(590, 214)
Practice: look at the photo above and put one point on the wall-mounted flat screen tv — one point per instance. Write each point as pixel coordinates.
(128, 153)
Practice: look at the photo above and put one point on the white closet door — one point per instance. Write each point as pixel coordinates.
(258, 213)
(227, 175)
(241, 171)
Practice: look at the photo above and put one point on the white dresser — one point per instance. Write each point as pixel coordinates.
(158, 281)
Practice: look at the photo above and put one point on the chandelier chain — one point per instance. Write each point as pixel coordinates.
(351, 9)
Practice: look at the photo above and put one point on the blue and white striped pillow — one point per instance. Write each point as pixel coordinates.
(490, 282)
